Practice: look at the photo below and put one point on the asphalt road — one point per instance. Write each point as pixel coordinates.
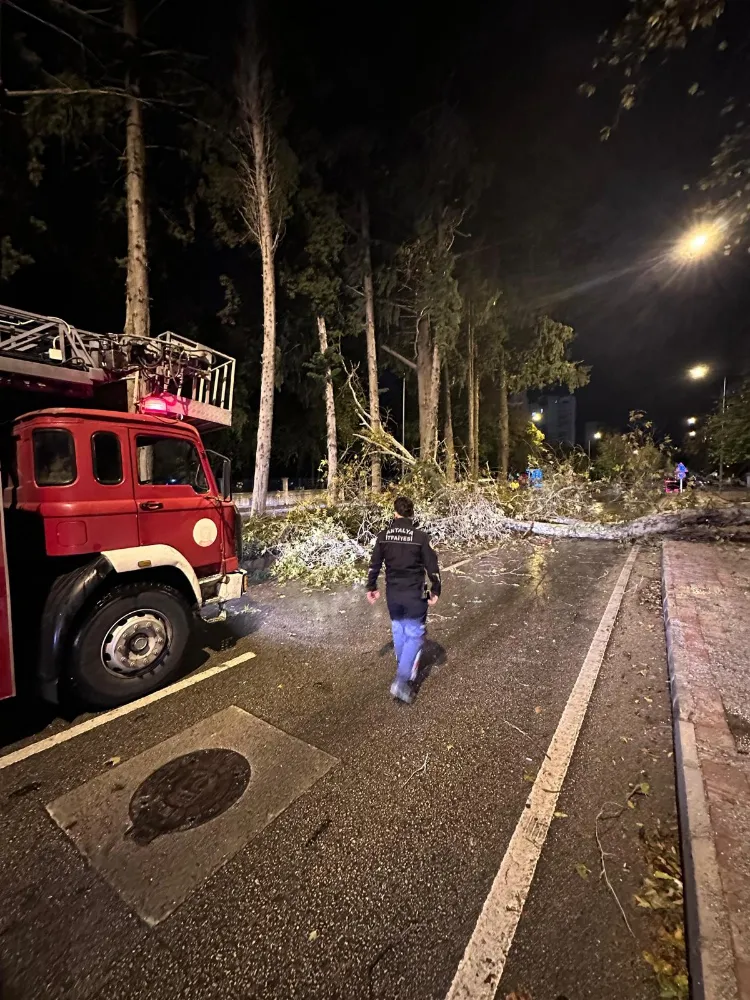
(354, 860)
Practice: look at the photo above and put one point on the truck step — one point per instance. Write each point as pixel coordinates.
(221, 617)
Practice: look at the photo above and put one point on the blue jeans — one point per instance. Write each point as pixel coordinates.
(408, 625)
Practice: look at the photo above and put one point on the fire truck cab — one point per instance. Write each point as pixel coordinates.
(117, 528)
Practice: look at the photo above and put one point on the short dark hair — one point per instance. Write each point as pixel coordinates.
(404, 507)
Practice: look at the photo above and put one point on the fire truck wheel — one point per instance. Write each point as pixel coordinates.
(131, 642)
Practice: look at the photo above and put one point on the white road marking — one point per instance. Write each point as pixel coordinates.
(481, 968)
(101, 720)
(235, 662)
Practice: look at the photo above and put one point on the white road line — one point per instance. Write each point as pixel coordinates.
(101, 720)
(481, 968)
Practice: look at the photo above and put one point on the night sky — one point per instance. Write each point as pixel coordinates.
(580, 227)
(564, 211)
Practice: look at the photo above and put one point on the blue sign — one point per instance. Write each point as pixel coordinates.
(681, 471)
(536, 476)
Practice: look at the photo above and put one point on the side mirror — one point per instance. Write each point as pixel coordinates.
(225, 486)
(221, 467)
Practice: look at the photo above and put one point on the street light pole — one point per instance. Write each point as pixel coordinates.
(597, 436)
(699, 372)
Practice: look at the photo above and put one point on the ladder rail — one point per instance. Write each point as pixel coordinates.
(199, 373)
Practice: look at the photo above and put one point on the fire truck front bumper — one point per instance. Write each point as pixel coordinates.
(223, 587)
(233, 585)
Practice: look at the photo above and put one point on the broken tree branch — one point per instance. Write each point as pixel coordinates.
(529, 738)
(681, 523)
(378, 438)
(601, 816)
(419, 770)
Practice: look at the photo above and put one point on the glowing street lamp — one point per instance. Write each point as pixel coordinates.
(697, 372)
(536, 416)
(596, 436)
(700, 241)
(692, 421)
(692, 434)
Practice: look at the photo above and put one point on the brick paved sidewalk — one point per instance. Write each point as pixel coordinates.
(707, 617)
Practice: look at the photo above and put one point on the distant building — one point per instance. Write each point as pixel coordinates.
(558, 422)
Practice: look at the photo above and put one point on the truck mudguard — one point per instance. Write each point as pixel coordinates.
(67, 596)
(71, 591)
(144, 557)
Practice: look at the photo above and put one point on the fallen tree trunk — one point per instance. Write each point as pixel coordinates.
(698, 523)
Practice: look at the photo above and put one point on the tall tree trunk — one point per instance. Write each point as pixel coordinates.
(136, 288)
(470, 399)
(333, 453)
(428, 389)
(474, 404)
(434, 402)
(450, 448)
(424, 382)
(372, 355)
(476, 415)
(503, 427)
(267, 243)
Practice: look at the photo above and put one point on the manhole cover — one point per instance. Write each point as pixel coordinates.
(187, 792)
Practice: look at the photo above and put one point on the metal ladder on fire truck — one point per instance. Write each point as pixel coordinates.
(47, 354)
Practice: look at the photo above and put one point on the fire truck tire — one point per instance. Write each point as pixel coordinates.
(130, 642)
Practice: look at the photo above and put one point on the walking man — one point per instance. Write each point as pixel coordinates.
(408, 556)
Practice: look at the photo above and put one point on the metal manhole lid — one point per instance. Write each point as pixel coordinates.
(187, 792)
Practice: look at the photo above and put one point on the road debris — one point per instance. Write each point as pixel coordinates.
(530, 738)
(603, 816)
(420, 770)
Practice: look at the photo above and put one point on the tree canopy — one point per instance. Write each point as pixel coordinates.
(71, 76)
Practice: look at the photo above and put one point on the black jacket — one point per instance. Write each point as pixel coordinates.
(408, 555)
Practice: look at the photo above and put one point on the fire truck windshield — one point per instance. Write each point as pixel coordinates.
(169, 461)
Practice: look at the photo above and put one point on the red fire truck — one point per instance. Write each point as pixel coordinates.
(117, 525)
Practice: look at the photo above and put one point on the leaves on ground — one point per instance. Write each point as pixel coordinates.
(582, 870)
(662, 894)
(642, 788)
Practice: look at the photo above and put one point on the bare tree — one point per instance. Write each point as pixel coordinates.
(503, 458)
(450, 448)
(333, 454)
(428, 382)
(475, 394)
(258, 167)
(137, 312)
(472, 393)
(372, 355)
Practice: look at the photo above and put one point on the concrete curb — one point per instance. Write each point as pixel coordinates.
(711, 959)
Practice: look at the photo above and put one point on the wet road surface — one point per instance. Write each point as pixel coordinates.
(359, 853)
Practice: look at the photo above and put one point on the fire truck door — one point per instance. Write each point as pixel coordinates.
(175, 499)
